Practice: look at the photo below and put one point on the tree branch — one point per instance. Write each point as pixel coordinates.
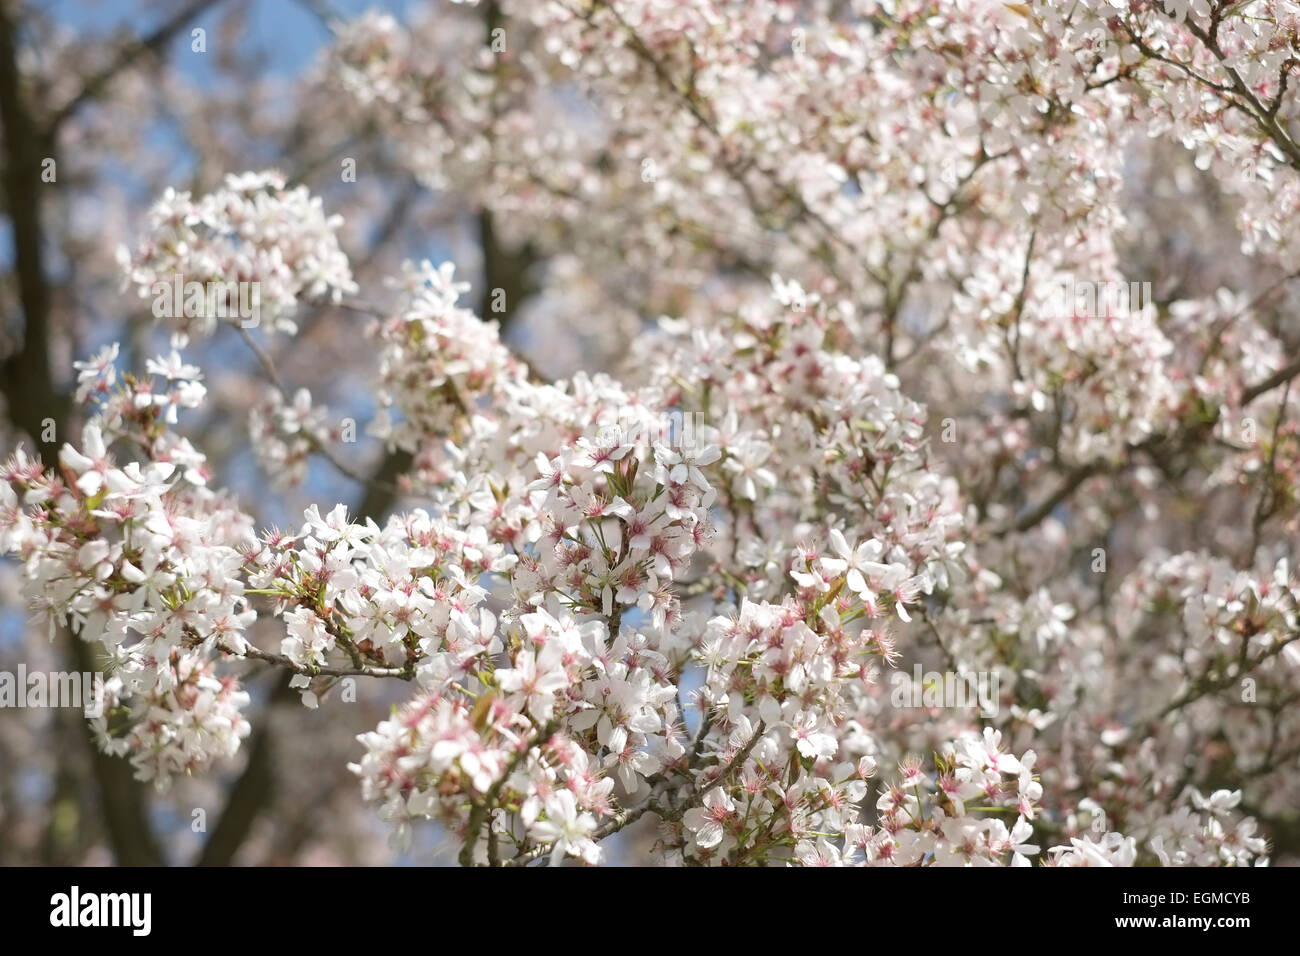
(127, 56)
(33, 397)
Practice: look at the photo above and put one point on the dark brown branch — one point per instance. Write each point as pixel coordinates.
(25, 376)
(1078, 475)
(1280, 377)
(252, 791)
(33, 397)
(126, 57)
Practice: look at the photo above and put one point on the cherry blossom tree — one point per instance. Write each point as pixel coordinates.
(826, 357)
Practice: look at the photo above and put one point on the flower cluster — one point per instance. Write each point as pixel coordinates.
(275, 244)
(284, 434)
(178, 727)
(536, 748)
(141, 555)
(386, 597)
(676, 589)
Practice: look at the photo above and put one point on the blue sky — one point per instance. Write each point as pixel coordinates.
(287, 30)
